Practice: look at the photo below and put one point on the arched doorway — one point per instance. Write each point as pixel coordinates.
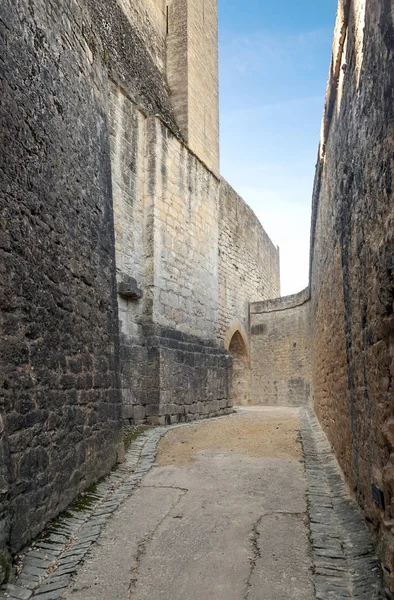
(241, 372)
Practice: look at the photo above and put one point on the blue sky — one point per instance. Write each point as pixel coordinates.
(274, 60)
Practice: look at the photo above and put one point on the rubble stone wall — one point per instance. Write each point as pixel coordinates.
(60, 410)
(352, 262)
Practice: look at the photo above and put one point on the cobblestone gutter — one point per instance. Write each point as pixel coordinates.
(48, 567)
(344, 562)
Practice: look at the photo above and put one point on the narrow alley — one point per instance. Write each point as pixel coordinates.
(246, 507)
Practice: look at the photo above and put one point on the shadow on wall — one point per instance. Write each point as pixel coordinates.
(237, 347)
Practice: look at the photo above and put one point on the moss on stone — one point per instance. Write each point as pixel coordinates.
(132, 433)
(5, 567)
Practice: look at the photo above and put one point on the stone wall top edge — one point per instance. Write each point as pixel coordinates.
(246, 206)
(156, 335)
(283, 303)
(165, 124)
(338, 47)
(187, 147)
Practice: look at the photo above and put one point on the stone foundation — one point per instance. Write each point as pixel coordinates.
(189, 378)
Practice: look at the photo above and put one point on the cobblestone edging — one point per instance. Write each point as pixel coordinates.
(344, 562)
(49, 565)
(345, 565)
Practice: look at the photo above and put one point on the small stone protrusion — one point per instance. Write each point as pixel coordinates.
(129, 289)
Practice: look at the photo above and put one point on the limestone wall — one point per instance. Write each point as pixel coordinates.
(185, 199)
(129, 37)
(148, 19)
(352, 261)
(166, 206)
(192, 71)
(248, 261)
(203, 132)
(60, 403)
(281, 351)
(134, 252)
(197, 253)
(178, 62)
(105, 211)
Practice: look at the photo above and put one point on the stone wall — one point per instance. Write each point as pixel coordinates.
(203, 135)
(129, 37)
(184, 196)
(248, 262)
(148, 19)
(194, 371)
(281, 351)
(60, 403)
(187, 240)
(93, 148)
(178, 62)
(192, 70)
(352, 264)
(134, 252)
(172, 366)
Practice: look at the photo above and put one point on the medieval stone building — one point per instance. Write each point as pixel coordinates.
(137, 286)
(128, 263)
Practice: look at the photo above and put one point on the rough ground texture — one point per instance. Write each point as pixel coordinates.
(224, 529)
(256, 434)
(228, 511)
(352, 261)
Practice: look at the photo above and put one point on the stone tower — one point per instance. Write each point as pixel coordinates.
(192, 72)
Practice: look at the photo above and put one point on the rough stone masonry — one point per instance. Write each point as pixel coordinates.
(352, 283)
(131, 272)
(125, 258)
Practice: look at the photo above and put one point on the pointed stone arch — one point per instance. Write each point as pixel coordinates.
(237, 346)
(236, 326)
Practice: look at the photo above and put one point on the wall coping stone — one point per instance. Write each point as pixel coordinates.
(283, 303)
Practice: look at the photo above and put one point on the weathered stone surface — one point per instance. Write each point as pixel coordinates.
(60, 401)
(129, 289)
(192, 72)
(248, 271)
(281, 351)
(345, 565)
(198, 252)
(93, 148)
(351, 260)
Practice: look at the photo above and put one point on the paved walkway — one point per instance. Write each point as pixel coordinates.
(230, 510)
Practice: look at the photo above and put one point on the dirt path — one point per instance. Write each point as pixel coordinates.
(221, 516)
(262, 433)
